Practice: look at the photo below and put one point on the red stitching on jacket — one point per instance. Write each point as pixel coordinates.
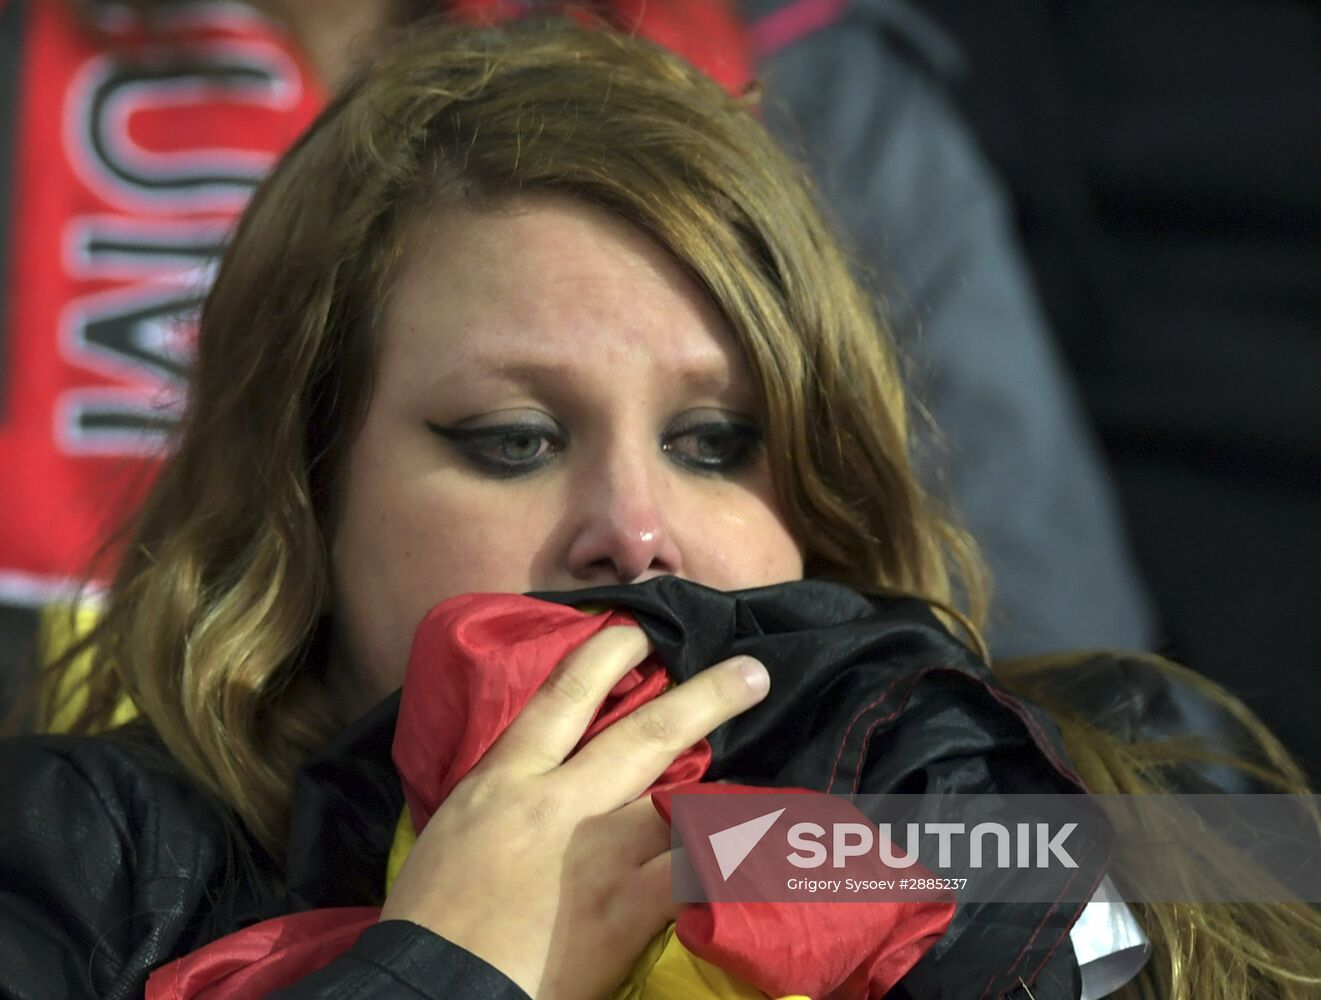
(1038, 736)
(1042, 923)
(866, 737)
(880, 700)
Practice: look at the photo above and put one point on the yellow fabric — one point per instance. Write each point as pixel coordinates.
(59, 627)
(669, 971)
(665, 971)
(404, 839)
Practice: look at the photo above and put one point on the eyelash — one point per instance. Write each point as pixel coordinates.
(745, 438)
(476, 444)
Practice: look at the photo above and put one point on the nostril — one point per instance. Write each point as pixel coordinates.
(607, 570)
(612, 547)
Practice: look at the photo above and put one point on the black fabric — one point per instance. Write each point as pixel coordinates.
(111, 864)
(831, 651)
(399, 959)
(873, 695)
(18, 665)
(354, 782)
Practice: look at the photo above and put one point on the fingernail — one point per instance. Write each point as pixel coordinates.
(754, 674)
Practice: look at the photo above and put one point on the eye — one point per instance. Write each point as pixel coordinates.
(714, 443)
(505, 450)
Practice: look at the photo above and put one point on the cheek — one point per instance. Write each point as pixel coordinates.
(744, 543)
(403, 545)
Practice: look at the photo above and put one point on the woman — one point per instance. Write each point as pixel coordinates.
(224, 88)
(532, 310)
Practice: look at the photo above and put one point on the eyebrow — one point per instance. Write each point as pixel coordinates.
(714, 375)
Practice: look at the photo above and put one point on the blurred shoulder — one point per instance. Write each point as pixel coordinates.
(111, 862)
(1140, 699)
(114, 770)
(119, 797)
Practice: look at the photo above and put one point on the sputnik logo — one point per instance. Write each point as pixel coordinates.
(733, 844)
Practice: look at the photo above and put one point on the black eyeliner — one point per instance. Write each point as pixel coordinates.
(467, 439)
(747, 437)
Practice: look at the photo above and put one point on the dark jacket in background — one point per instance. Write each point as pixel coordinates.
(862, 98)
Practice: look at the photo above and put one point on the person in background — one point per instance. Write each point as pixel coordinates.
(859, 89)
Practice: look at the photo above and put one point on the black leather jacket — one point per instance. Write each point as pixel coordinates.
(112, 863)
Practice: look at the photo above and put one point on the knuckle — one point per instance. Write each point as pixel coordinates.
(566, 685)
(480, 791)
(728, 692)
(529, 754)
(542, 812)
(618, 907)
(627, 641)
(629, 635)
(654, 728)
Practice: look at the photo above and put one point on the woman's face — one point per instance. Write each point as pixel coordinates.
(557, 405)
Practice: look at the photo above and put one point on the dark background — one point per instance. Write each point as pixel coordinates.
(1165, 161)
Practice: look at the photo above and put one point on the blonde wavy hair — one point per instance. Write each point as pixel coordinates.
(215, 621)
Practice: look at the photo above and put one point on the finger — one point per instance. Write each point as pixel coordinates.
(554, 719)
(621, 762)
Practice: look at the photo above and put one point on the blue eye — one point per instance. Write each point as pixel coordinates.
(721, 446)
(506, 450)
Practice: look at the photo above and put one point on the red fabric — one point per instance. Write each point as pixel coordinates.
(475, 662)
(817, 948)
(497, 649)
(64, 480)
(708, 33)
(71, 465)
(782, 27)
(264, 957)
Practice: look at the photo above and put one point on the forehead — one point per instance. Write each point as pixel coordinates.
(550, 284)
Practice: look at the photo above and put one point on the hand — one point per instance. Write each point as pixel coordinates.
(554, 871)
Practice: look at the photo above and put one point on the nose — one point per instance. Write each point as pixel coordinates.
(621, 532)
